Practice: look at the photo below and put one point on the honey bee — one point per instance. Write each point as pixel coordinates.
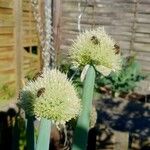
(39, 74)
(40, 92)
(95, 40)
(117, 49)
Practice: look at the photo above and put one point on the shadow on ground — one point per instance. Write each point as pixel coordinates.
(125, 115)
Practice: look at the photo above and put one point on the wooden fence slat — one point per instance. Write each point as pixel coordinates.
(6, 49)
(6, 30)
(18, 43)
(57, 7)
(6, 3)
(5, 11)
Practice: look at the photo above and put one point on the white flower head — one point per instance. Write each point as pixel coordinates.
(55, 97)
(96, 48)
(28, 95)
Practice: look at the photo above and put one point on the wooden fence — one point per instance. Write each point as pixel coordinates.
(127, 21)
(19, 51)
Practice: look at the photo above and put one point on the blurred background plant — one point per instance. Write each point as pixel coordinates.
(116, 84)
(6, 92)
(30, 75)
(124, 82)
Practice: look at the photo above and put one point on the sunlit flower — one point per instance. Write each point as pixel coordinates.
(28, 95)
(96, 48)
(55, 97)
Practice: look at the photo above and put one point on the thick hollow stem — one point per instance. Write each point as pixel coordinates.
(81, 131)
(44, 135)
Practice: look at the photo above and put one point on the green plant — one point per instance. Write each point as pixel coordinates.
(123, 82)
(30, 74)
(44, 99)
(44, 134)
(52, 97)
(81, 131)
(92, 50)
(115, 84)
(6, 92)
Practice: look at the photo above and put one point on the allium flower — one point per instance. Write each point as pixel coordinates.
(96, 48)
(28, 95)
(55, 97)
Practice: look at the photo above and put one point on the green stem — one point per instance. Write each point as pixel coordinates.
(81, 132)
(30, 133)
(44, 135)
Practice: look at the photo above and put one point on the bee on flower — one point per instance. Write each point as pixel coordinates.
(95, 47)
(51, 96)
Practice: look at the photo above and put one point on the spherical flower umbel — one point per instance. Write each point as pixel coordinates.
(55, 97)
(28, 95)
(96, 48)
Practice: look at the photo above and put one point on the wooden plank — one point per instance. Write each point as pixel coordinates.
(6, 20)
(111, 9)
(142, 38)
(29, 36)
(7, 64)
(121, 37)
(26, 6)
(143, 28)
(6, 49)
(143, 18)
(7, 59)
(6, 36)
(6, 30)
(57, 7)
(142, 47)
(31, 64)
(30, 41)
(108, 1)
(124, 44)
(28, 24)
(6, 40)
(18, 43)
(27, 31)
(142, 56)
(143, 8)
(145, 65)
(30, 56)
(8, 54)
(5, 11)
(7, 77)
(27, 19)
(6, 16)
(27, 44)
(25, 14)
(29, 68)
(7, 71)
(6, 3)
